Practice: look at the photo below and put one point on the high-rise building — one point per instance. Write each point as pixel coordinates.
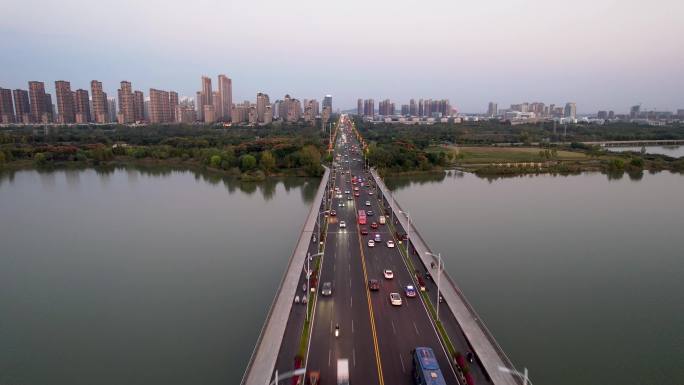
(100, 104)
(570, 110)
(635, 111)
(65, 102)
(126, 104)
(22, 108)
(207, 93)
(216, 102)
(268, 115)
(82, 106)
(173, 103)
(359, 107)
(199, 104)
(327, 102)
(413, 107)
(39, 107)
(261, 102)
(139, 106)
(492, 109)
(208, 113)
(6, 107)
(602, 115)
(611, 114)
(405, 109)
(225, 86)
(369, 107)
(111, 110)
(160, 106)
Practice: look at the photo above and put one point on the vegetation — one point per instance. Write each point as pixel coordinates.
(251, 152)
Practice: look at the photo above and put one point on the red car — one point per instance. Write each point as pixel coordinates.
(364, 231)
(374, 225)
(356, 194)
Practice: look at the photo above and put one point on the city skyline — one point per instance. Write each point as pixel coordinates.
(584, 53)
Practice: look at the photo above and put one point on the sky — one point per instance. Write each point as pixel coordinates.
(601, 54)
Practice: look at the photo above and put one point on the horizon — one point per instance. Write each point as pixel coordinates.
(586, 55)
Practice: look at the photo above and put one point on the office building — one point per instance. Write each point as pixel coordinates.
(327, 102)
(38, 102)
(492, 109)
(100, 111)
(225, 86)
(570, 110)
(82, 106)
(6, 106)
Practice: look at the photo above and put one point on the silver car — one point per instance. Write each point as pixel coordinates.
(326, 289)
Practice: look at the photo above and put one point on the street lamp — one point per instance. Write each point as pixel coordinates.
(524, 375)
(439, 275)
(308, 280)
(408, 232)
(318, 223)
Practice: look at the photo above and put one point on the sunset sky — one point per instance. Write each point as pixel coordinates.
(601, 54)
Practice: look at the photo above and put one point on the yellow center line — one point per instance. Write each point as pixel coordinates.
(368, 299)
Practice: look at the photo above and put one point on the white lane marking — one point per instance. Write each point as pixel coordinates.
(416, 327)
(329, 355)
(350, 301)
(350, 283)
(403, 368)
(331, 325)
(393, 328)
(352, 326)
(354, 356)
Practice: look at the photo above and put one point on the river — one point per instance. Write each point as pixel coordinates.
(139, 276)
(673, 151)
(580, 278)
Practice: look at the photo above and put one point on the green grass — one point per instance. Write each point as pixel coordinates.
(482, 155)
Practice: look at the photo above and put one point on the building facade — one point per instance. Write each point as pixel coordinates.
(6, 106)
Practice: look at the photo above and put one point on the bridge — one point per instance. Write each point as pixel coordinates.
(377, 336)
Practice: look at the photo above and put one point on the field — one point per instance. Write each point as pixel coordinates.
(486, 155)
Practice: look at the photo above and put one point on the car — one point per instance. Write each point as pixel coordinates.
(373, 285)
(296, 300)
(370, 192)
(343, 225)
(390, 244)
(326, 289)
(356, 188)
(374, 225)
(356, 194)
(367, 203)
(349, 197)
(369, 213)
(364, 231)
(340, 204)
(388, 274)
(371, 243)
(395, 299)
(333, 213)
(410, 291)
(347, 192)
(377, 237)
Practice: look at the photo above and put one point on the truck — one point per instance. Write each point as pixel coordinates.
(382, 219)
(342, 371)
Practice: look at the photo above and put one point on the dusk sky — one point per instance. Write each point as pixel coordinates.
(602, 54)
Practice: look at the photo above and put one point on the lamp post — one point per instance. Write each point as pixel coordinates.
(439, 275)
(524, 375)
(408, 232)
(318, 223)
(308, 280)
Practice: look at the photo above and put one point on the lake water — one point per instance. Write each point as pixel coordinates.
(673, 151)
(580, 278)
(139, 277)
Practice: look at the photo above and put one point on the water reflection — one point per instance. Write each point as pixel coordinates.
(267, 188)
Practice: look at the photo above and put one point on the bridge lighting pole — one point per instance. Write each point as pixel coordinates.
(308, 280)
(524, 375)
(439, 275)
(408, 232)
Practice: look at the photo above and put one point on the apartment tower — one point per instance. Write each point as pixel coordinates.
(225, 86)
(6, 107)
(100, 110)
(82, 106)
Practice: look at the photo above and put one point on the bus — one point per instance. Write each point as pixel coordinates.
(362, 217)
(425, 367)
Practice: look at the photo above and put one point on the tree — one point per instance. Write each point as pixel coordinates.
(267, 161)
(247, 163)
(215, 161)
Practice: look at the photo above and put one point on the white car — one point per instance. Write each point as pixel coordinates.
(395, 299)
(388, 274)
(347, 192)
(367, 203)
(371, 243)
(343, 225)
(390, 244)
